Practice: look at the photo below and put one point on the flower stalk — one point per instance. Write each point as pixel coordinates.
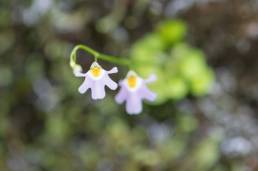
(97, 55)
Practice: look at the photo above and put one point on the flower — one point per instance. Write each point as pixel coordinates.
(96, 79)
(133, 90)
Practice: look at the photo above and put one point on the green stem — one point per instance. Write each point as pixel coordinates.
(97, 55)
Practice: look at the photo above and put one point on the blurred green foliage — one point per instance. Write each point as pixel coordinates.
(181, 69)
(46, 125)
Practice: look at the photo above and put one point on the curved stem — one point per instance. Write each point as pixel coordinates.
(97, 55)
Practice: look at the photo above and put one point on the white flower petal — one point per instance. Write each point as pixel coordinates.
(145, 93)
(110, 83)
(98, 90)
(133, 104)
(85, 85)
(113, 70)
(151, 78)
(121, 96)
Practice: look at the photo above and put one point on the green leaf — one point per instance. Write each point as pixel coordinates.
(192, 65)
(176, 88)
(172, 31)
(148, 50)
(201, 84)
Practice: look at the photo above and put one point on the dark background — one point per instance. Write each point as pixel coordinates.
(45, 124)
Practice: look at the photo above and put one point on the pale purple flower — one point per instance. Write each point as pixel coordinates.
(133, 91)
(96, 79)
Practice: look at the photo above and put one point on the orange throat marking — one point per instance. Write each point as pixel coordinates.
(96, 71)
(132, 81)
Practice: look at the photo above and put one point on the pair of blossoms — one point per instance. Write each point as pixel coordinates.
(133, 89)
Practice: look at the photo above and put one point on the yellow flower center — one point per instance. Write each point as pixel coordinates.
(96, 71)
(132, 81)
